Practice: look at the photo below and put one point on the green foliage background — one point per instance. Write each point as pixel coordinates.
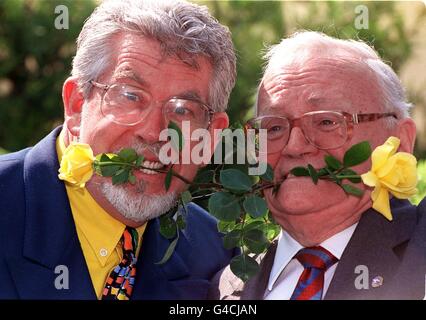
(421, 186)
(35, 58)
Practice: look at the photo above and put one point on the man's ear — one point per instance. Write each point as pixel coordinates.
(406, 131)
(73, 102)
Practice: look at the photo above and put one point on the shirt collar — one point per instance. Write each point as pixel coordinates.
(287, 247)
(101, 230)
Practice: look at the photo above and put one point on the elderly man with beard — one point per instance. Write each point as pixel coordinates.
(139, 65)
(319, 96)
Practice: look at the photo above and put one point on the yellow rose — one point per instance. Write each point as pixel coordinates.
(390, 172)
(77, 164)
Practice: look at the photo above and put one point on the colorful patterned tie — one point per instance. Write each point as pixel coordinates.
(316, 261)
(120, 282)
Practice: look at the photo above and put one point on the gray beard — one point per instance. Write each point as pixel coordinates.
(139, 208)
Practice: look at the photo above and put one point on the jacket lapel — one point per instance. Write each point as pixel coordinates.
(255, 288)
(411, 275)
(378, 245)
(50, 239)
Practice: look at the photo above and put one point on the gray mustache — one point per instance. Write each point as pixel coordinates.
(141, 147)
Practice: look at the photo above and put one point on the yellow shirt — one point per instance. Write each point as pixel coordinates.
(99, 233)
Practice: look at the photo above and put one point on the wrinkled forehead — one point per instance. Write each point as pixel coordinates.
(331, 83)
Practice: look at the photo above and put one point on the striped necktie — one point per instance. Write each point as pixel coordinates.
(120, 282)
(315, 261)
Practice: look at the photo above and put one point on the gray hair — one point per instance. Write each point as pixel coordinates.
(184, 30)
(311, 43)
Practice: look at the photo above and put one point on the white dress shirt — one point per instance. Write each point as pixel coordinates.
(286, 270)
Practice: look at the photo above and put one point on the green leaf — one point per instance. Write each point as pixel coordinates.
(232, 239)
(168, 179)
(258, 224)
(110, 170)
(122, 176)
(299, 171)
(332, 162)
(349, 172)
(236, 125)
(180, 221)
(177, 145)
(272, 230)
(115, 158)
(102, 157)
(128, 155)
(132, 178)
(235, 180)
(322, 172)
(224, 206)
(186, 197)
(244, 266)
(204, 176)
(225, 226)
(255, 240)
(139, 161)
(350, 189)
(169, 251)
(313, 173)
(167, 227)
(357, 154)
(254, 179)
(255, 206)
(269, 174)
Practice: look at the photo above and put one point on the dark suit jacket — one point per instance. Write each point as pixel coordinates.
(377, 243)
(37, 234)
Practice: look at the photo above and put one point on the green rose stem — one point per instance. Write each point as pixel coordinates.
(217, 186)
(136, 167)
(211, 185)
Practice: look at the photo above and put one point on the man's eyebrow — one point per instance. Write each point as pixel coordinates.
(191, 94)
(130, 74)
(316, 100)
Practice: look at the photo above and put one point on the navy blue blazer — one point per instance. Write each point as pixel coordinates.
(37, 234)
(395, 251)
(413, 268)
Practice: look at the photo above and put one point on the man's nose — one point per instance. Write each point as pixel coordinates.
(298, 145)
(150, 127)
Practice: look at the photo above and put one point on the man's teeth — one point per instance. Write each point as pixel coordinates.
(151, 165)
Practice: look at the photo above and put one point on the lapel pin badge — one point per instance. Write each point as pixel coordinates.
(377, 281)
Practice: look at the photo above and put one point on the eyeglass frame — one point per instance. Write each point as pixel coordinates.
(350, 118)
(105, 88)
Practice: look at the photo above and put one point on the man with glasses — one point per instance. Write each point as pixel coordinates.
(139, 66)
(319, 96)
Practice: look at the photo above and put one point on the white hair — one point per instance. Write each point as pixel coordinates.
(303, 45)
(184, 30)
(138, 208)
